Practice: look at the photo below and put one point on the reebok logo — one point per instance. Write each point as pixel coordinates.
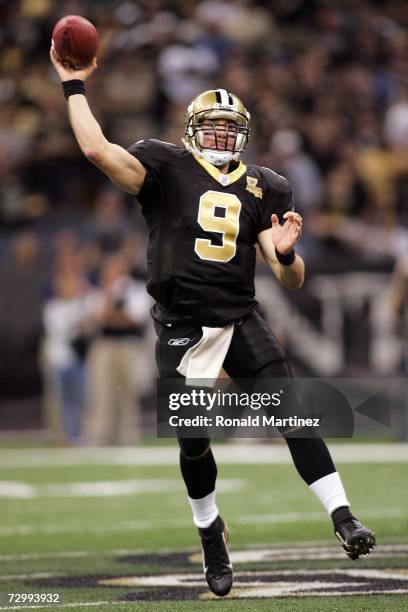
(179, 341)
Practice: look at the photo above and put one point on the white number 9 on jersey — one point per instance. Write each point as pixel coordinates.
(228, 225)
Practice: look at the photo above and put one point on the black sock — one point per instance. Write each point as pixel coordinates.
(310, 456)
(199, 473)
(341, 514)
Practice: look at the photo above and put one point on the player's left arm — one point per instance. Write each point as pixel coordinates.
(280, 240)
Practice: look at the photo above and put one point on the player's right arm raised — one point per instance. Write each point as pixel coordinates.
(120, 166)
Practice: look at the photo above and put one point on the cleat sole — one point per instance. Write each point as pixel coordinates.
(358, 546)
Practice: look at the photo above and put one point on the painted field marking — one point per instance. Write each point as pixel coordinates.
(29, 576)
(272, 583)
(234, 453)
(256, 584)
(139, 525)
(309, 550)
(71, 605)
(11, 489)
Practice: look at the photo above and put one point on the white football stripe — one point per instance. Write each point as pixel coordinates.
(291, 517)
(16, 489)
(224, 97)
(76, 604)
(28, 576)
(280, 552)
(105, 488)
(241, 453)
(139, 525)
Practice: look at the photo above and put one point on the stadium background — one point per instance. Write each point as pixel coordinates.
(326, 85)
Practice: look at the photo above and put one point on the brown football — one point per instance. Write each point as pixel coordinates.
(75, 41)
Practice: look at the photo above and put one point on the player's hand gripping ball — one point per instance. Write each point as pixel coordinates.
(75, 41)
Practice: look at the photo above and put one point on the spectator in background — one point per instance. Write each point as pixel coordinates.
(299, 168)
(398, 303)
(396, 122)
(399, 289)
(333, 73)
(118, 372)
(21, 277)
(109, 225)
(67, 331)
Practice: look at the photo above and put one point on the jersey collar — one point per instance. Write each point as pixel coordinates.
(220, 177)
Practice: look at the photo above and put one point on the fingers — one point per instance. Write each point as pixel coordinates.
(293, 224)
(294, 217)
(66, 71)
(290, 217)
(55, 58)
(293, 229)
(61, 67)
(53, 55)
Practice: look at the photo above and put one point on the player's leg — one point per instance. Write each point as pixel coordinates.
(200, 472)
(197, 465)
(255, 353)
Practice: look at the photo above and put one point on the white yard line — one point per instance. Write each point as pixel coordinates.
(142, 525)
(71, 605)
(277, 550)
(275, 452)
(292, 517)
(28, 576)
(12, 489)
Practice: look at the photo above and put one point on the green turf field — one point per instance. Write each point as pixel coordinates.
(120, 536)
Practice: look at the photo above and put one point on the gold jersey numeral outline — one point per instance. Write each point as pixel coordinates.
(228, 226)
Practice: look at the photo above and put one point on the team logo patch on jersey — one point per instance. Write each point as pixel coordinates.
(252, 186)
(178, 341)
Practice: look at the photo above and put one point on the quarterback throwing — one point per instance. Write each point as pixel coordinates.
(206, 211)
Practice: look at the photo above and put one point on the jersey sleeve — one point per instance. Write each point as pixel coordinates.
(154, 156)
(278, 199)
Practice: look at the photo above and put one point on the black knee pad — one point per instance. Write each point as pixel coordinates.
(194, 448)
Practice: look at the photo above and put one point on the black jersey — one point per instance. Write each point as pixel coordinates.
(203, 227)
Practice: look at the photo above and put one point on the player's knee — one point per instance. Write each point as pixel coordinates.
(194, 448)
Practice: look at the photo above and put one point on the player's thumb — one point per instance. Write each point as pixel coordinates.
(275, 219)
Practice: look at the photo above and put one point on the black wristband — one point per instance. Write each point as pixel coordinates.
(75, 86)
(286, 260)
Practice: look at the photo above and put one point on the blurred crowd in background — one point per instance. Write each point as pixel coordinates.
(326, 83)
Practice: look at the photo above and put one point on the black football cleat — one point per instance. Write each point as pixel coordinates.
(217, 566)
(355, 538)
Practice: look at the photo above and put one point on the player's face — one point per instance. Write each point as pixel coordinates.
(219, 134)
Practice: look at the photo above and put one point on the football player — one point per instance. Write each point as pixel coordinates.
(206, 210)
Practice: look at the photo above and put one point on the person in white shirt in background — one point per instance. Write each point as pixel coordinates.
(119, 371)
(66, 319)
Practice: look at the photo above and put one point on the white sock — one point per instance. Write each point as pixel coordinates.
(330, 492)
(204, 510)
